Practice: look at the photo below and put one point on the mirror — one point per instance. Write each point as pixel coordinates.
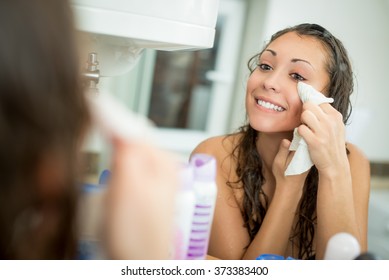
(361, 26)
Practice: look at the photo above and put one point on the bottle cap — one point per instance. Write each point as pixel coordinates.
(204, 167)
(342, 246)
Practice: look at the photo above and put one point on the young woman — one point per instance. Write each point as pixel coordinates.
(43, 120)
(260, 210)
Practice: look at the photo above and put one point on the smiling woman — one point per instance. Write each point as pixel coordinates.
(281, 65)
(262, 210)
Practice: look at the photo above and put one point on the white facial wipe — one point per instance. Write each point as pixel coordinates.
(301, 160)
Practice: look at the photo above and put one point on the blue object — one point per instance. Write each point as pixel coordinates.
(104, 177)
(91, 249)
(88, 188)
(272, 257)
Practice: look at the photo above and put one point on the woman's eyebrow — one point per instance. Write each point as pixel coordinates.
(274, 53)
(271, 51)
(302, 60)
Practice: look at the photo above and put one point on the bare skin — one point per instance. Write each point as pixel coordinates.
(140, 202)
(229, 238)
(344, 182)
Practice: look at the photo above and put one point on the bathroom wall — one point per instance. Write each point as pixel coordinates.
(363, 28)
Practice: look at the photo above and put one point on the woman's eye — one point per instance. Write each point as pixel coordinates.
(297, 77)
(265, 67)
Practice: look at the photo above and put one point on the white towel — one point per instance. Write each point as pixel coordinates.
(301, 160)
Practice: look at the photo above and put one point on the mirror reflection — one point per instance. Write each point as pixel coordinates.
(194, 95)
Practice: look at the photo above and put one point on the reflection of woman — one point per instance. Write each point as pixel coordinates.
(43, 118)
(259, 210)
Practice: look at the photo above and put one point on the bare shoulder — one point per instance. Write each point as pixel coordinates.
(360, 169)
(223, 149)
(218, 146)
(358, 160)
(360, 177)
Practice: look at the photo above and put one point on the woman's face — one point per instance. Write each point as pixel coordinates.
(272, 101)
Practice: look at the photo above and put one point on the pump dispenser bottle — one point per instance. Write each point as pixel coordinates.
(205, 189)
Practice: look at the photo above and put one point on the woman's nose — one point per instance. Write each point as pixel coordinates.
(272, 82)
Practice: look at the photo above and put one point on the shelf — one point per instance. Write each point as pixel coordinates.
(132, 23)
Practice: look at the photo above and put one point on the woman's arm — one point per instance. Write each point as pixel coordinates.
(229, 238)
(343, 200)
(273, 236)
(344, 181)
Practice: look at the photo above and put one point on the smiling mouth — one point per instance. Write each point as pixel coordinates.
(270, 106)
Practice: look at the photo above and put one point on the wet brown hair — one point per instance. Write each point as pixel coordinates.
(249, 161)
(43, 115)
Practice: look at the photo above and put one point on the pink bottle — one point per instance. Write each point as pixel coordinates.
(205, 190)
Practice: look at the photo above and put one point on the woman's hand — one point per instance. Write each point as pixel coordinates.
(324, 132)
(280, 164)
(140, 202)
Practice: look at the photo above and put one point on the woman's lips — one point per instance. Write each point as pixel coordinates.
(269, 105)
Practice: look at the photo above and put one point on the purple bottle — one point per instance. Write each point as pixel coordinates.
(205, 189)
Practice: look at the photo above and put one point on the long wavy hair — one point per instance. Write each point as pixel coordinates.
(249, 161)
(43, 115)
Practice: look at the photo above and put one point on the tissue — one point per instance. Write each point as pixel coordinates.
(301, 160)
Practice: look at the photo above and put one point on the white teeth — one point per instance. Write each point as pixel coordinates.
(270, 106)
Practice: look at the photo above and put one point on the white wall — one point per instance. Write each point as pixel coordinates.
(363, 27)
(252, 42)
